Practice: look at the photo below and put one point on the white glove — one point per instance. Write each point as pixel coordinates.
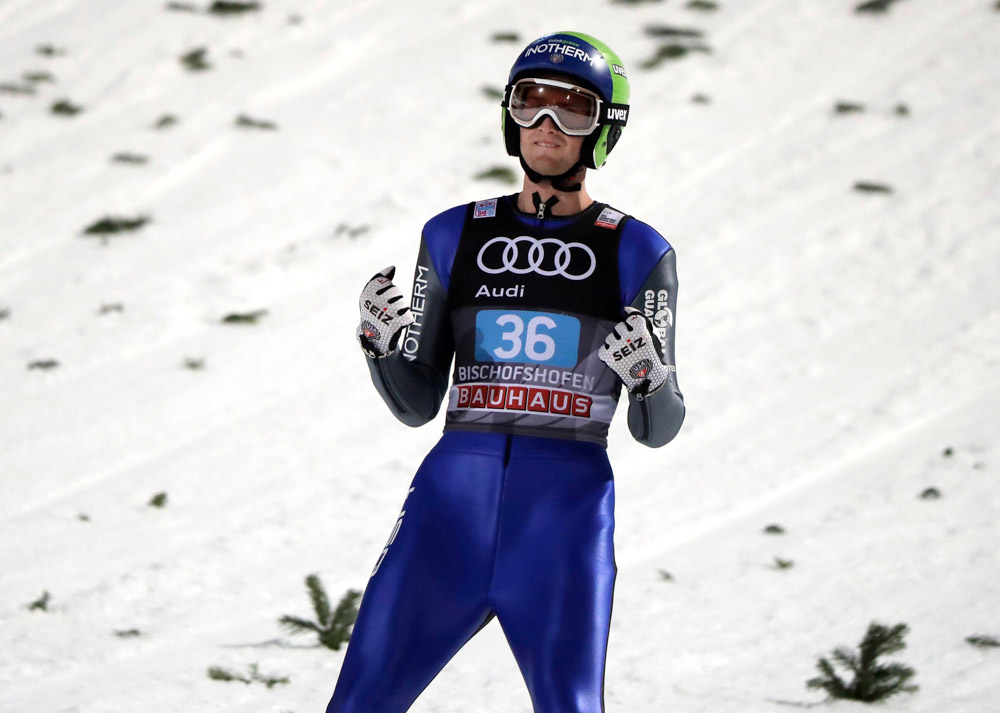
(383, 314)
(632, 351)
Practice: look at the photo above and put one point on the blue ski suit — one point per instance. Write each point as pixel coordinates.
(511, 514)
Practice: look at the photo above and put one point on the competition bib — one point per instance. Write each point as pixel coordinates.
(530, 307)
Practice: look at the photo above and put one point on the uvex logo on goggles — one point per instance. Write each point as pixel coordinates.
(575, 110)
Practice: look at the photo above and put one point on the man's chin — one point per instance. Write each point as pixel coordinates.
(548, 167)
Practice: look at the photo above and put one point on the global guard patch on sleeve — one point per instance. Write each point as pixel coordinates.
(485, 209)
(609, 218)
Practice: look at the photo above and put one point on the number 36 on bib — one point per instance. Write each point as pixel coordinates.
(528, 337)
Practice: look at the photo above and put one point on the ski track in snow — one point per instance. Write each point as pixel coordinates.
(831, 344)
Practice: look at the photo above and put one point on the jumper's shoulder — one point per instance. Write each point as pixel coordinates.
(440, 238)
(642, 241)
(640, 250)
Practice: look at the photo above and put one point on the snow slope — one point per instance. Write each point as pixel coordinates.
(831, 343)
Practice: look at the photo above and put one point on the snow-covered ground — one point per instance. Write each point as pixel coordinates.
(832, 343)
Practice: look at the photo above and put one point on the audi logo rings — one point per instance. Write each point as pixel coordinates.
(539, 247)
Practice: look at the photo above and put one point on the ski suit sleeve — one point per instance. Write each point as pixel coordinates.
(413, 379)
(654, 419)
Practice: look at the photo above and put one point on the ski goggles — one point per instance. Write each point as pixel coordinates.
(575, 110)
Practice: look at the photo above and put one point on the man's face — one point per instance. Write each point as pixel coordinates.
(548, 150)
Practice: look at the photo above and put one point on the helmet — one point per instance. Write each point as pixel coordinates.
(586, 62)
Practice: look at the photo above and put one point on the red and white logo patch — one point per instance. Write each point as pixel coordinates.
(485, 209)
(524, 398)
(609, 218)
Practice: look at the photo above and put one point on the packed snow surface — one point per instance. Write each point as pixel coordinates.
(837, 347)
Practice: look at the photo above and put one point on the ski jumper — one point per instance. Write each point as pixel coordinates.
(511, 514)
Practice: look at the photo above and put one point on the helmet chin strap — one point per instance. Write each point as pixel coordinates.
(559, 182)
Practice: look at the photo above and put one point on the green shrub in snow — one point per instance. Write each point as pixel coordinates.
(232, 7)
(872, 187)
(64, 107)
(49, 51)
(130, 158)
(780, 563)
(497, 173)
(110, 225)
(983, 642)
(844, 107)
(333, 626)
(871, 680)
(246, 122)
(874, 7)
(166, 121)
(505, 37)
(244, 317)
(217, 673)
(42, 603)
(196, 60)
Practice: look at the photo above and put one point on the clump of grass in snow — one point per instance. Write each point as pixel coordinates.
(217, 673)
(780, 563)
(39, 77)
(332, 625)
(505, 37)
(196, 60)
(845, 107)
(246, 122)
(50, 51)
(632, 2)
(127, 633)
(872, 680)
(672, 51)
(931, 494)
(874, 7)
(678, 42)
(43, 364)
(660, 31)
(902, 110)
(244, 317)
(166, 121)
(24, 90)
(4, 313)
(182, 7)
(232, 7)
(774, 530)
(158, 501)
(351, 231)
(981, 641)
(130, 158)
(42, 603)
(703, 5)
(64, 107)
(111, 225)
(492, 93)
(872, 187)
(194, 363)
(497, 173)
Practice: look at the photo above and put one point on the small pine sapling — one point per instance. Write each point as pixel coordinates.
(332, 626)
(873, 681)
